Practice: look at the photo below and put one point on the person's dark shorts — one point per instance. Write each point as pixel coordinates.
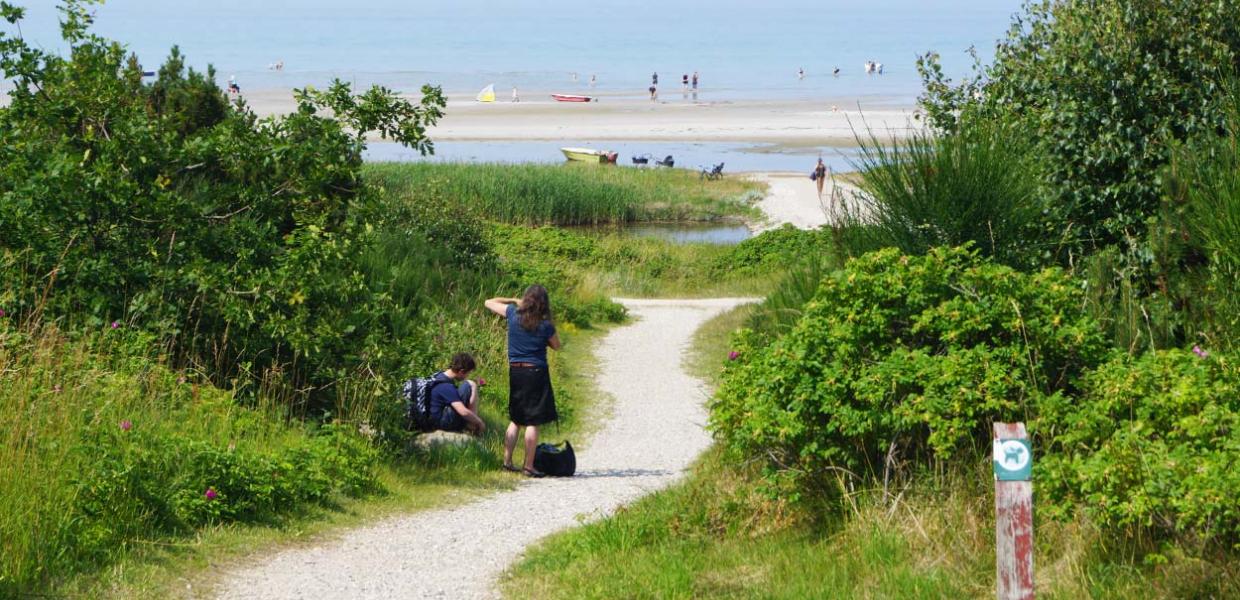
(450, 420)
(531, 401)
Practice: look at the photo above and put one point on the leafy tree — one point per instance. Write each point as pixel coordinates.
(1104, 86)
(164, 206)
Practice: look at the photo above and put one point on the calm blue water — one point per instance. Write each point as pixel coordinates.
(742, 48)
(737, 157)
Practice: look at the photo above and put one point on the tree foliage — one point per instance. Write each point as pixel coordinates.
(1104, 86)
(163, 205)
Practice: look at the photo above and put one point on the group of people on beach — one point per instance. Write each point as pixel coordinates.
(531, 399)
(685, 82)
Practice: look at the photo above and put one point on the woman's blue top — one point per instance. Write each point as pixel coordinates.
(527, 346)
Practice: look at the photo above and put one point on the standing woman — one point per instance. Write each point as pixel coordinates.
(531, 401)
(820, 175)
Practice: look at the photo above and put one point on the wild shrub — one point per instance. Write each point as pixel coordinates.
(904, 360)
(1104, 88)
(976, 185)
(1150, 445)
(164, 207)
(103, 447)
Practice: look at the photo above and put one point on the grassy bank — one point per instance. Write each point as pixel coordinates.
(572, 194)
(52, 533)
(722, 534)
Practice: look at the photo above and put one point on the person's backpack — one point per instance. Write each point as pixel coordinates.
(417, 393)
(555, 460)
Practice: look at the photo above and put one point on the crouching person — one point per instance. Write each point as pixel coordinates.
(454, 407)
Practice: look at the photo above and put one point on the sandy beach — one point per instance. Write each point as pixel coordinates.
(673, 118)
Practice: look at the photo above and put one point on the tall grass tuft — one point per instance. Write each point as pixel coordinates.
(103, 449)
(568, 194)
(977, 185)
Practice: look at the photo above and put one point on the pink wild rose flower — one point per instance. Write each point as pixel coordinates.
(1200, 352)
(733, 355)
(126, 425)
(211, 495)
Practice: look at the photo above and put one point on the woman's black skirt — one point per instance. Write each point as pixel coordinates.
(531, 400)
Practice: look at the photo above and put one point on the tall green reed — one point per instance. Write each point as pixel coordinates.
(567, 194)
(977, 185)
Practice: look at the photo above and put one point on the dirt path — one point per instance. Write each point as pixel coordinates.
(793, 198)
(654, 433)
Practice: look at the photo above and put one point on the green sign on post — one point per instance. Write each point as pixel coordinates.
(1013, 460)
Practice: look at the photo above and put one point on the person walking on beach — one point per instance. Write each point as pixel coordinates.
(531, 400)
(820, 175)
(515, 97)
(684, 82)
(695, 80)
(654, 93)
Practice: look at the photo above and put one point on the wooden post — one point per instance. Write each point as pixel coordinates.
(1013, 463)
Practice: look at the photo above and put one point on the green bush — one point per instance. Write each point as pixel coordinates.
(1104, 88)
(976, 185)
(905, 358)
(164, 207)
(773, 249)
(102, 447)
(1151, 444)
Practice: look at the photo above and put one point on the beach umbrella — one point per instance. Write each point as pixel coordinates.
(487, 94)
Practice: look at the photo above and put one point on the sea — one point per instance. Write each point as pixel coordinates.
(741, 49)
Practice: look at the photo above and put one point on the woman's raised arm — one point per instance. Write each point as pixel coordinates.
(499, 306)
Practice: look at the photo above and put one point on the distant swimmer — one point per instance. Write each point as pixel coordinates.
(801, 73)
(654, 78)
(879, 66)
(869, 67)
(836, 72)
(574, 74)
(684, 82)
(593, 80)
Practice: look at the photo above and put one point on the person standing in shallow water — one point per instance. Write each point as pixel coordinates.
(531, 400)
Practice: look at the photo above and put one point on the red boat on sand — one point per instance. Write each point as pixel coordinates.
(572, 98)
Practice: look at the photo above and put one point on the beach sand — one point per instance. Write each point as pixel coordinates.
(673, 118)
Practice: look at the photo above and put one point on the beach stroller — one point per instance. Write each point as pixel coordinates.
(667, 162)
(714, 173)
(643, 159)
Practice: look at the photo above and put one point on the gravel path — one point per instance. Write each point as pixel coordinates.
(654, 434)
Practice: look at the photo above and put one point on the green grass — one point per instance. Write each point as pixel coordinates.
(709, 348)
(720, 535)
(67, 391)
(570, 194)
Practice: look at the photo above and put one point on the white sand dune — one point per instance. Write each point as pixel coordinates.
(656, 430)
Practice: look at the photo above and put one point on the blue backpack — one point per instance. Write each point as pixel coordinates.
(417, 394)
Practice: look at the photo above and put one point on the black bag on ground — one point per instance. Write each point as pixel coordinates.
(556, 460)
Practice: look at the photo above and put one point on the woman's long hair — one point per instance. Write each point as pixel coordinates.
(535, 307)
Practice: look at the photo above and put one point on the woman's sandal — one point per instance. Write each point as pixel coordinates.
(535, 473)
(512, 469)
